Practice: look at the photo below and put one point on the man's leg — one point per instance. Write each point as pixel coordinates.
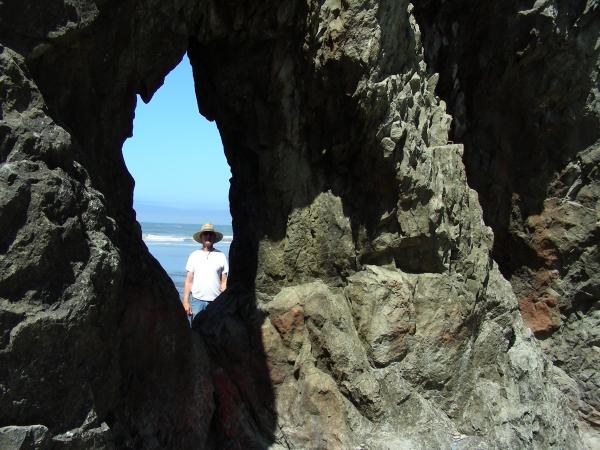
(197, 307)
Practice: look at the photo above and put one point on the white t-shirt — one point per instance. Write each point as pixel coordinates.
(207, 268)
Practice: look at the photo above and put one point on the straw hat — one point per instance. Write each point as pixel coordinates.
(209, 228)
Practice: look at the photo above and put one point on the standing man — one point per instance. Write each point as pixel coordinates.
(207, 271)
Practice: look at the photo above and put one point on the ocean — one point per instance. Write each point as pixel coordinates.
(172, 243)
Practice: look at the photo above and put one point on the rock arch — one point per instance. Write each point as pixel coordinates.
(365, 307)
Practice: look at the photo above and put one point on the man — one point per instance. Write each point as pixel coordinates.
(207, 271)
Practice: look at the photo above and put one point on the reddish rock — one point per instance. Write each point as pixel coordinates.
(541, 315)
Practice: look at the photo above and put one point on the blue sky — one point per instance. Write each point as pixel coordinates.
(176, 157)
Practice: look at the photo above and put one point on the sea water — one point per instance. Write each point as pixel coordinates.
(172, 243)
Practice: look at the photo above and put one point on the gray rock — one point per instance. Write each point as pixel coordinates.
(364, 309)
(521, 82)
(24, 437)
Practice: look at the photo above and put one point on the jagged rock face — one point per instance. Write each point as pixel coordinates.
(94, 349)
(408, 316)
(521, 81)
(364, 309)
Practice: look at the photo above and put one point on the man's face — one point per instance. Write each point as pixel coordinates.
(207, 238)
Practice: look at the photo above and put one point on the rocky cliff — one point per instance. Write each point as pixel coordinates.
(365, 307)
(521, 81)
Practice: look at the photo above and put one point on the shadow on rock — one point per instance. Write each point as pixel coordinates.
(244, 414)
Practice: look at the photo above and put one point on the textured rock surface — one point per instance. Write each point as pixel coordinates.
(521, 81)
(365, 309)
(93, 343)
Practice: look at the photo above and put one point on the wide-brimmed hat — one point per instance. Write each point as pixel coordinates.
(208, 228)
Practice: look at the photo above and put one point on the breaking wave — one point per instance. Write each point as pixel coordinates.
(165, 238)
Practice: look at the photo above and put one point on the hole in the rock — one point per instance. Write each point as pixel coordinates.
(181, 173)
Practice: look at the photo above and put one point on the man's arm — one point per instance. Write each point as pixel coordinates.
(223, 281)
(187, 287)
(224, 273)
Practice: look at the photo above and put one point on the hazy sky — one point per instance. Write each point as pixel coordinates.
(176, 157)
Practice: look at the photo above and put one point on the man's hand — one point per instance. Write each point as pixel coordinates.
(223, 283)
(187, 307)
